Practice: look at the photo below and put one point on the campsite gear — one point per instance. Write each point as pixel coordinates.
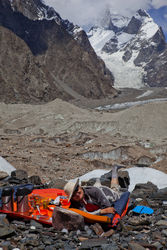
(143, 210)
(7, 199)
(40, 207)
(70, 188)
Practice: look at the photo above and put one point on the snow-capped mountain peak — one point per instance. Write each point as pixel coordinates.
(127, 45)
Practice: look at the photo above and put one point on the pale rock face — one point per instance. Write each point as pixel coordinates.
(130, 47)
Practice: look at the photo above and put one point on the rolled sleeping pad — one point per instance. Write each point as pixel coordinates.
(21, 193)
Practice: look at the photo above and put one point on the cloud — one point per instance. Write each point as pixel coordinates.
(158, 3)
(85, 12)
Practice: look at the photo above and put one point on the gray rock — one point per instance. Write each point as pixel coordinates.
(88, 244)
(36, 224)
(5, 228)
(164, 232)
(162, 223)
(139, 220)
(19, 176)
(63, 218)
(3, 175)
(57, 183)
(35, 179)
(135, 246)
(157, 245)
(160, 194)
(144, 190)
(111, 246)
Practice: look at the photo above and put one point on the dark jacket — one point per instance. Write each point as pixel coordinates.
(102, 196)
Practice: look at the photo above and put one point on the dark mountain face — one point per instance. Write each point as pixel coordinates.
(41, 60)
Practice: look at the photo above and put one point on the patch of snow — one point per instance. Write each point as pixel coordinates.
(130, 104)
(99, 37)
(76, 30)
(147, 93)
(148, 29)
(143, 175)
(6, 166)
(97, 173)
(124, 38)
(136, 174)
(126, 74)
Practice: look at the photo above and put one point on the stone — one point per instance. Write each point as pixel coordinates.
(82, 238)
(164, 232)
(139, 220)
(109, 233)
(157, 245)
(3, 175)
(90, 243)
(161, 194)
(63, 218)
(57, 183)
(162, 223)
(36, 224)
(144, 190)
(35, 179)
(19, 176)
(97, 229)
(135, 246)
(5, 228)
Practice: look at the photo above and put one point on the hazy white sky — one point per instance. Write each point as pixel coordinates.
(84, 12)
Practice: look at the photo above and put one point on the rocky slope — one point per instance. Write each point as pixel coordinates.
(133, 48)
(44, 57)
(62, 138)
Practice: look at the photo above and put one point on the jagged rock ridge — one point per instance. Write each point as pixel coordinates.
(134, 45)
(44, 57)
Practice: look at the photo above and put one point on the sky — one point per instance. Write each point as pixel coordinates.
(85, 12)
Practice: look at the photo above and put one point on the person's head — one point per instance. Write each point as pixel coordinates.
(74, 191)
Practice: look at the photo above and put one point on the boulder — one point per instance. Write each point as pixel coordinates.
(144, 190)
(5, 228)
(161, 194)
(135, 246)
(3, 175)
(63, 218)
(57, 183)
(35, 179)
(19, 176)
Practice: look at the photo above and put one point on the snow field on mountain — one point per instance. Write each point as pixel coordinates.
(99, 38)
(147, 93)
(129, 40)
(148, 29)
(126, 74)
(124, 38)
